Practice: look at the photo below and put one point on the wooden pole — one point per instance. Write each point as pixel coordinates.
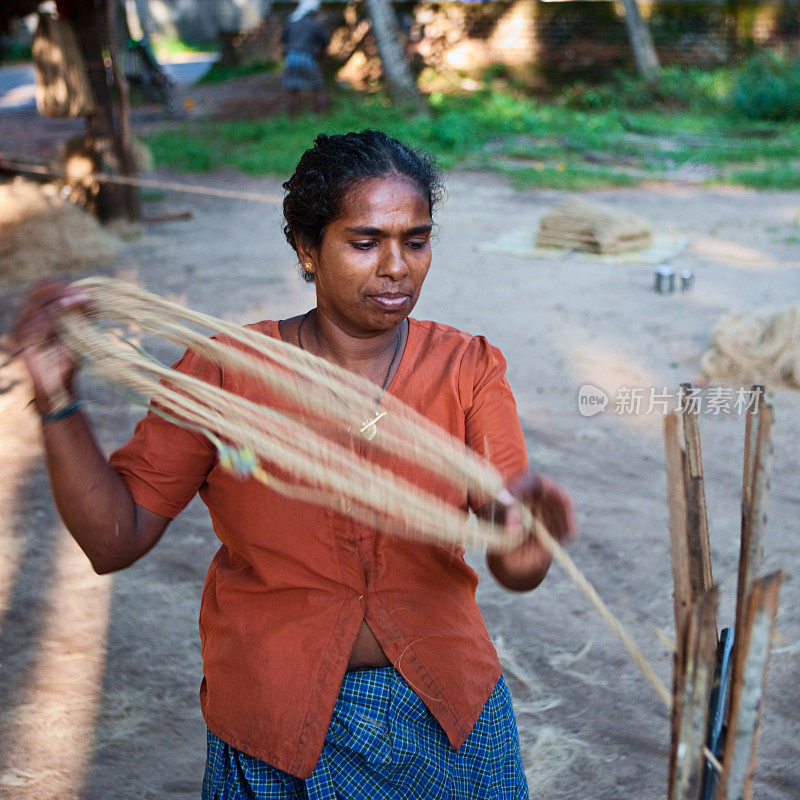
(755, 485)
(676, 500)
(700, 575)
(682, 593)
(687, 756)
(753, 637)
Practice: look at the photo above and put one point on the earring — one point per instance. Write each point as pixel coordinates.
(308, 267)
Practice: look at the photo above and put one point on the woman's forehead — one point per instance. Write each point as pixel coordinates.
(385, 196)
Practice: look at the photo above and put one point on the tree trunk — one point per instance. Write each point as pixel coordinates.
(88, 18)
(644, 52)
(115, 24)
(400, 84)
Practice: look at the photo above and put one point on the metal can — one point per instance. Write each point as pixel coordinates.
(665, 280)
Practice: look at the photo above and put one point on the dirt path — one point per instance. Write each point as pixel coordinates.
(98, 676)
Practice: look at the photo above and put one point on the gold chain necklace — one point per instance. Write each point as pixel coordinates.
(368, 428)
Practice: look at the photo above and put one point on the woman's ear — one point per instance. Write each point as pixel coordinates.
(307, 256)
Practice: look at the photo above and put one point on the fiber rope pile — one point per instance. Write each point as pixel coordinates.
(255, 440)
(750, 349)
(577, 224)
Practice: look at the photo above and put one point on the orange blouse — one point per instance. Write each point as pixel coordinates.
(288, 589)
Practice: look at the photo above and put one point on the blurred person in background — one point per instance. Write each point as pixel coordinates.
(304, 41)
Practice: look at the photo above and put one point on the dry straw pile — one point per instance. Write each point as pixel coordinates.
(41, 233)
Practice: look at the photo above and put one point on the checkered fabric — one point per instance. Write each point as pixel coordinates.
(301, 71)
(384, 743)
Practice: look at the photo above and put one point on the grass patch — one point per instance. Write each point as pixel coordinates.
(165, 46)
(558, 142)
(783, 178)
(219, 74)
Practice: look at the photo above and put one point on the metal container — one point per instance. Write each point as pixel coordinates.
(665, 280)
(687, 280)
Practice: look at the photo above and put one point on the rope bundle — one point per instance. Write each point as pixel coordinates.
(747, 348)
(250, 437)
(254, 438)
(593, 228)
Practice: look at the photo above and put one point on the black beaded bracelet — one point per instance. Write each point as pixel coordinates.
(62, 413)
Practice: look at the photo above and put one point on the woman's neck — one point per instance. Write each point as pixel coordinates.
(373, 356)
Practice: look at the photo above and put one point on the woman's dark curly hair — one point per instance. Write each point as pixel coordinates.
(329, 169)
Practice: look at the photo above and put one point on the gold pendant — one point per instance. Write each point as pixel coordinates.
(369, 428)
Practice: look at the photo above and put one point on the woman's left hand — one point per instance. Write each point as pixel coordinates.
(524, 567)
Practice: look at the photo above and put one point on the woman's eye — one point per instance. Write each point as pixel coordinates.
(417, 244)
(363, 245)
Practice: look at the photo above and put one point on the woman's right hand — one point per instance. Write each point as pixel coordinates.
(50, 363)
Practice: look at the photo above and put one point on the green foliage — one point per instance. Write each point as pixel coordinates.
(678, 88)
(769, 87)
(218, 74)
(783, 178)
(536, 143)
(165, 46)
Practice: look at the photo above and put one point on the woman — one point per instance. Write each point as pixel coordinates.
(338, 662)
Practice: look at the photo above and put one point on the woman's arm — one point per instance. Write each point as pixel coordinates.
(91, 498)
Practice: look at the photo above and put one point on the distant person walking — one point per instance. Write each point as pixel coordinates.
(304, 40)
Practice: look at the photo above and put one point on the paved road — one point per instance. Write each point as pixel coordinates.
(18, 84)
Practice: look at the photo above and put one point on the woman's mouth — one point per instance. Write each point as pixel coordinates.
(390, 301)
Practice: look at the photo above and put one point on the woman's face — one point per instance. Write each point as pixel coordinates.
(373, 259)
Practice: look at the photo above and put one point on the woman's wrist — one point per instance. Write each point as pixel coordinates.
(62, 412)
(54, 408)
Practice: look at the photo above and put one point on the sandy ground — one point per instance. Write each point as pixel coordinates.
(99, 675)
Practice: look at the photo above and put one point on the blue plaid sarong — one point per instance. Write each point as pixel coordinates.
(384, 744)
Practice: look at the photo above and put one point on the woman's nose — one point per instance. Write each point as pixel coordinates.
(393, 262)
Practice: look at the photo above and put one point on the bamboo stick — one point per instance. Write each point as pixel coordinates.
(687, 755)
(754, 637)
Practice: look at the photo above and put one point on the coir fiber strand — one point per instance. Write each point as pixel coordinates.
(286, 451)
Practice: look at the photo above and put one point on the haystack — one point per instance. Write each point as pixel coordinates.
(593, 228)
(41, 233)
(747, 349)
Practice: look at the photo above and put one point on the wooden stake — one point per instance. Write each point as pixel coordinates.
(755, 483)
(679, 552)
(687, 756)
(758, 458)
(696, 514)
(750, 431)
(754, 637)
(679, 557)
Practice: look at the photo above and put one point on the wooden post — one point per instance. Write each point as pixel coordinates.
(696, 513)
(687, 757)
(758, 458)
(679, 557)
(676, 500)
(753, 637)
